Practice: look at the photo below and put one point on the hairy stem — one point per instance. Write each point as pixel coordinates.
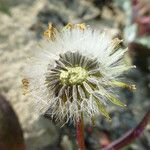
(131, 135)
(80, 134)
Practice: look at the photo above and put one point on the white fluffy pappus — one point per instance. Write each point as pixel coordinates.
(76, 73)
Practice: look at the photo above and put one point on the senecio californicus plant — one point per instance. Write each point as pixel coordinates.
(76, 72)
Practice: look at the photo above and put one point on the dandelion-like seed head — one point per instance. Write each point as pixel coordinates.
(73, 76)
(76, 73)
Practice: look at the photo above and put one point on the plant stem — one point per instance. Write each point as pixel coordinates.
(129, 136)
(80, 133)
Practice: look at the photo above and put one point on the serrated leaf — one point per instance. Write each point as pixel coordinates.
(114, 100)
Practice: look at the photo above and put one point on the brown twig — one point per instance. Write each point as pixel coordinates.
(130, 136)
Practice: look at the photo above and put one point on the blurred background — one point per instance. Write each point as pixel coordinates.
(22, 23)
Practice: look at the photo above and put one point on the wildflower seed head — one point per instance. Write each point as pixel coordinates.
(76, 73)
(73, 76)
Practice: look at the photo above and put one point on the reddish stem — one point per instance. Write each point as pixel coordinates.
(131, 135)
(80, 134)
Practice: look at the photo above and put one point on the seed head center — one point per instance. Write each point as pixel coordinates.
(75, 75)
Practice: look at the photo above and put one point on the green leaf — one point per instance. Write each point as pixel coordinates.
(102, 109)
(114, 100)
(93, 120)
(122, 84)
